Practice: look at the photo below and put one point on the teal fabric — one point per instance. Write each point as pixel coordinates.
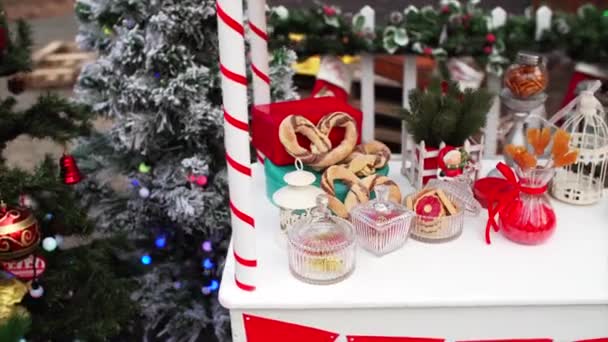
(274, 179)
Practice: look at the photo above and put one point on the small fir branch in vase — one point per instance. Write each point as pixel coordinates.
(444, 113)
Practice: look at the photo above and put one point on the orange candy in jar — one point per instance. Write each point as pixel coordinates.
(527, 76)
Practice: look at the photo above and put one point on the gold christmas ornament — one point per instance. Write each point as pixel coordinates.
(12, 292)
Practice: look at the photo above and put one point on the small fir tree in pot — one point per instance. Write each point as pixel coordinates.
(443, 113)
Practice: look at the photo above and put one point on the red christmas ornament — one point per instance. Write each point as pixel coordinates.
(3, 39)
(19, 232)
(69, 170)
(445, 9)
(491, 38)
(445, 86)
(427, 51)
(487, 50)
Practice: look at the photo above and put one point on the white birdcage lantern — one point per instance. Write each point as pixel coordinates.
(582, 183)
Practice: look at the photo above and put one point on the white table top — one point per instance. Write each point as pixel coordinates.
(571, 268)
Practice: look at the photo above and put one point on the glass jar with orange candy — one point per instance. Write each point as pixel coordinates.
(527, 77)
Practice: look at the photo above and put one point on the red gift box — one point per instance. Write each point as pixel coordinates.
(268, 117)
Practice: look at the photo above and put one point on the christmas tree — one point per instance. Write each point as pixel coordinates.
(81, 282)
(159, 176)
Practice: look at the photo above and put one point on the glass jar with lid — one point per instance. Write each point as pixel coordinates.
(526, 77)
(321, 247)
(381, 226)
(298, 198)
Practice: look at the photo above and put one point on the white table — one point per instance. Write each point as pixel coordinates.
(462, 289)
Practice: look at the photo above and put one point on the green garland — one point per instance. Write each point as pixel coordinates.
(583, 36)
(321, 29)
(454, 29)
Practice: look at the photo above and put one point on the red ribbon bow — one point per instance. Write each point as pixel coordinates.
(503, 193)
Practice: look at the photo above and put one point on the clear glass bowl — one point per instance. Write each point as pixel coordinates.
(381, 226)
(435, 229)
(321, 248)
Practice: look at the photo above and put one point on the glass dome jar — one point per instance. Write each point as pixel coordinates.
(381, 226)
(321, 248)
(526, 77)
(298, 198)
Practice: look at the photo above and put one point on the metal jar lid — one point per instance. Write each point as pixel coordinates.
(528, 58)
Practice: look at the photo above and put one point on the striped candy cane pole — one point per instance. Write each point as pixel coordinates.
(259, 56)
(259, 51)
(236, 131)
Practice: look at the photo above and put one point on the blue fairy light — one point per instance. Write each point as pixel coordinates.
(146, 259)
(161, 241)
(48, 217)
(156, 74)
(208, 264)
(205, 290)
(134, 182)
(214, 285)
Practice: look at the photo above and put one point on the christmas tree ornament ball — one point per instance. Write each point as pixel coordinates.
(49, 244)
(19, 232)
(37, 290)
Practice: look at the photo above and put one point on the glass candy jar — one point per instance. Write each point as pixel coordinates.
(321, 248)
(381, 226)
(527, 77)
(529, 218)
(298, 198)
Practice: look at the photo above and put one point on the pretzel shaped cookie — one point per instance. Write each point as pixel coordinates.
(321, 154)
(358, 189)
(367, 158)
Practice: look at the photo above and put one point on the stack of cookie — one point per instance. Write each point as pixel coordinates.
(439, 215)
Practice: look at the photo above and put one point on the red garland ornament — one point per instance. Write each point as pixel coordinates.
(490, 38)
(427, 51)
(19, 232)
(329, 11)
(487, 50)
(69, 170)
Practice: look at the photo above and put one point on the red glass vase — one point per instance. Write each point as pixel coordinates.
(530, 218)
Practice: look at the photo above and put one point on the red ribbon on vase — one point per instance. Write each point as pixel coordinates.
(502, 192)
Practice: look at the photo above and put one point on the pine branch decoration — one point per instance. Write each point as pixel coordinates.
(444, 113)
(51, 116)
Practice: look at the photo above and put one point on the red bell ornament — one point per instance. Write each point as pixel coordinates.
(19, 233)
(3, 40)
(69, 170)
